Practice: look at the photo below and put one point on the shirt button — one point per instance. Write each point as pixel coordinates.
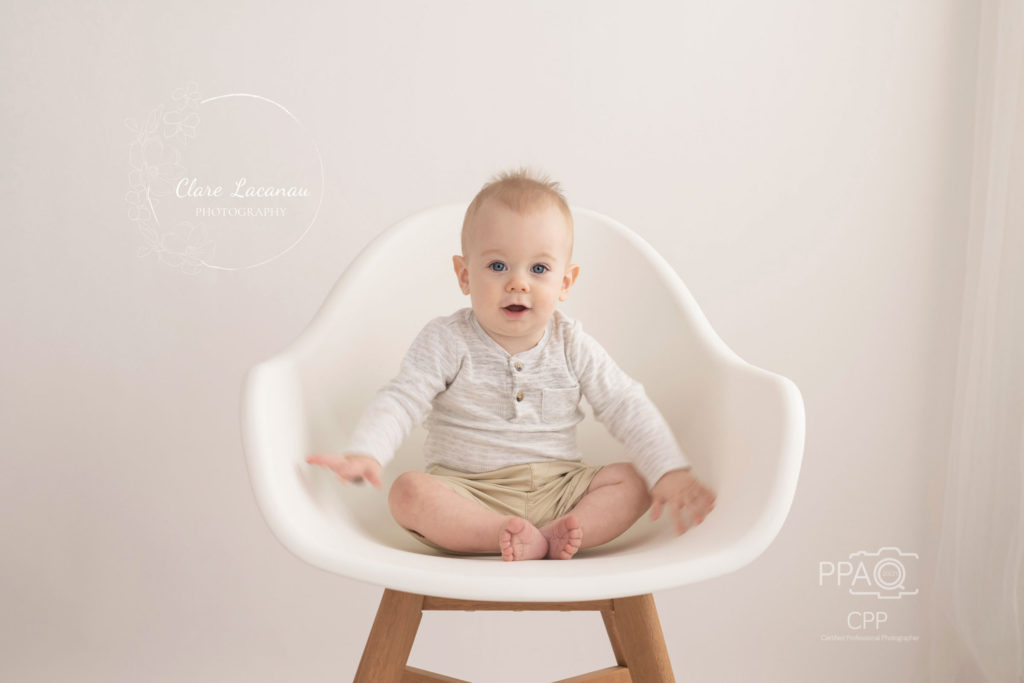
(517, 365)
(519, 396)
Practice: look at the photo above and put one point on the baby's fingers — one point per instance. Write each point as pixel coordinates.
(331, 462)
(656, 509)
(348, 472)
(339, 466)
(373, 478)
(707, 501)
(681, 518)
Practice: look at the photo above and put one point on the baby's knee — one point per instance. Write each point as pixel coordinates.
(405, 492)
(627, 481)
(623, 472)
(632, 482)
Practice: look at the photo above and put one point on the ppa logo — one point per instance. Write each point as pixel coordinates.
(887, 573)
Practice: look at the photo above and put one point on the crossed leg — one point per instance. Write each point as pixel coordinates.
(615, 499)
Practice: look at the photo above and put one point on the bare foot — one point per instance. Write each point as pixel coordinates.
(564, 536)
(520, 540)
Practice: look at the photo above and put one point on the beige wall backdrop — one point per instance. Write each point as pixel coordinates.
(804, 166)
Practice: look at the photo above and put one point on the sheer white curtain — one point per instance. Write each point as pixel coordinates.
(979, 585)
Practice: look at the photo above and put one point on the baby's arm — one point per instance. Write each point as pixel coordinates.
(622, 405)
(396, 408)
(351, 467)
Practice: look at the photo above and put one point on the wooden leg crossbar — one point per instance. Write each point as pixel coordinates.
(632, 625)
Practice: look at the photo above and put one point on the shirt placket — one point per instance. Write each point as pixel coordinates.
(519, 394)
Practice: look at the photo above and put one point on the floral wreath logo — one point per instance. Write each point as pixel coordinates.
(156, 159)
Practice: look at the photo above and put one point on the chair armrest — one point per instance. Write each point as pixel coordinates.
(300, 502)
(755, 441)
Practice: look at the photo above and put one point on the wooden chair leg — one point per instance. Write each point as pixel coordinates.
(613, 636)
(636, 637)
(632, 624)
(391, 637)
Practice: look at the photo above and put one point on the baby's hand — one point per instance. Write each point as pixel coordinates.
(354, 468)
(681, 490)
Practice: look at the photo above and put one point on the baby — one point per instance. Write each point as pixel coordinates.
(499, 384)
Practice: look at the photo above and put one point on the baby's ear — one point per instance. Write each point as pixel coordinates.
(568, 280)
(461, 272)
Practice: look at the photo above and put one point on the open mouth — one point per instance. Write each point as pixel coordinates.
(515, 308)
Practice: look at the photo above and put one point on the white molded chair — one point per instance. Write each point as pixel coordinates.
(742, 427)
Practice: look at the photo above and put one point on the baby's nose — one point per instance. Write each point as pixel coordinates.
(518, 284)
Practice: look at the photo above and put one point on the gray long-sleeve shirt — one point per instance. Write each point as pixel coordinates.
(486, 409)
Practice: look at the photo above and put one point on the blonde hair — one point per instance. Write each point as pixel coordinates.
(520, 190)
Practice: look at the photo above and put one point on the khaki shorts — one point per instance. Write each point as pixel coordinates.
(539, 492)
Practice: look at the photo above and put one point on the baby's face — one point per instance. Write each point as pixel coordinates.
(516, 269)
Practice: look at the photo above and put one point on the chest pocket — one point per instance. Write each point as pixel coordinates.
(559, 405)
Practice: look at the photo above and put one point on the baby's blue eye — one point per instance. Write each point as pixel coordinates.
(497, 266)
(539, 269)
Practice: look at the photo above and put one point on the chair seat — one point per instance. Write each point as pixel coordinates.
(741, 426)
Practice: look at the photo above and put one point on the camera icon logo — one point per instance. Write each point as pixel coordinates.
(888, 571)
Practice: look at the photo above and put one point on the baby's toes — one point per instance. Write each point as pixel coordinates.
(505, 544)
(566, 551)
